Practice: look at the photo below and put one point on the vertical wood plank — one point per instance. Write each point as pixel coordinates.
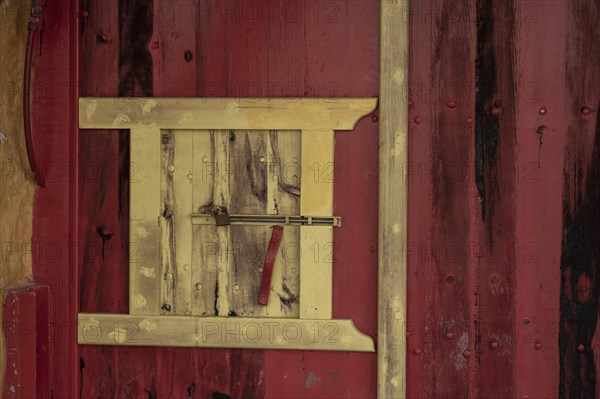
(144, 279)
(495, 152)
(222, 235)
(205, 249)
(283, 193)
(316, 243)
(175, 220)
(393, 125)
(579, 334)
(145, 166)
(103, 262)
(248, 182)
(541, 38)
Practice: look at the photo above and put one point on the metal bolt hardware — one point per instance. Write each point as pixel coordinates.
(220, 215)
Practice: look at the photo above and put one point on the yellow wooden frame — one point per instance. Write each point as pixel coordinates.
(393, 156)
(316, 119)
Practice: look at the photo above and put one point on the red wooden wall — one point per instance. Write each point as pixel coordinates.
(503, 223)
(503, 186)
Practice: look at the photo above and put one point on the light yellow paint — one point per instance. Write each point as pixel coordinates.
(393, 133)
(223, 113)
(316, 243)
(218, 332)
(170, 183)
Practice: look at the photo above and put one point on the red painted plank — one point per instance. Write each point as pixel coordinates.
(579, 295)
(25, 329)
(541, 35)
(52, 243)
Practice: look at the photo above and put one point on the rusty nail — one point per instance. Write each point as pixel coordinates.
(450, 335)
(417, 352)
(418, 120)
(538, 345)
(494, 345)
(467, 354)
(374, 118)
(581, 348)
(469, 121)
(543, 111)
(585, 111)
(451, 103)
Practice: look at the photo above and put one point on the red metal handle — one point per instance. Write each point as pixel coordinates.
(33, 26)
(265, 285)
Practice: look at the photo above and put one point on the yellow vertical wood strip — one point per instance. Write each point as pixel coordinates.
(316, 199)
(144, 235)
(283, 188)
(182, 174)
(144, 268)
(145, 173)
(205, 246)
(393, 131)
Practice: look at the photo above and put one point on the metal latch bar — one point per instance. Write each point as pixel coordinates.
(331, 221)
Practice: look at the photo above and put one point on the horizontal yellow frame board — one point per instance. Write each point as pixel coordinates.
(223, 113)
(219, 332)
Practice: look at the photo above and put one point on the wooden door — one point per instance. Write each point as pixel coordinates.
(288, 49)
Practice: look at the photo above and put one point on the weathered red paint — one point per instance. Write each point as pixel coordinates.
(501, 305)
(25, 325)
(265, 285)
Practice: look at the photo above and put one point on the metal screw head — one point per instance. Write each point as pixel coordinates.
(581, 348)
(469, 121)
(451, 103)
(467, 354)
(543, 111)
(450, 335)
(585, 111)
(537, 345)
(417, 352)
(495, 111)
(494, 345)
(418, 120)
(374, 118)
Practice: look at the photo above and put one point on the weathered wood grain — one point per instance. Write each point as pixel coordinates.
(175, 220)
(393, 136)
(579, 262)
(244, 172)
(541, 33)
(207, 113)
(237, 332)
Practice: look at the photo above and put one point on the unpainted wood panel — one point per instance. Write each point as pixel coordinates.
(244, 171)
